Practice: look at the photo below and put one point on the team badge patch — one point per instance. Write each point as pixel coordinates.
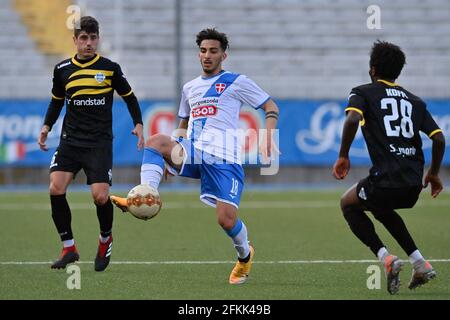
(220, 87)
(362, 194)
(100, 77)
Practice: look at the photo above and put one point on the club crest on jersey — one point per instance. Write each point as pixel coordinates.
(220, 87)
(204, 111)
(362, 194)
(100, 77)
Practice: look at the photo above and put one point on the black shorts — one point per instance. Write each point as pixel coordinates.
(374, 197)
(96, 162)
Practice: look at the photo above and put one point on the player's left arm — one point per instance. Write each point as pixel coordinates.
(268, 145)
(249, 92)
(123, 88)
(430, 127)
(437, 155)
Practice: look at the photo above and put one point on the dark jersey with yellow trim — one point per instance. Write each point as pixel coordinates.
(392, 119)
(88, 88)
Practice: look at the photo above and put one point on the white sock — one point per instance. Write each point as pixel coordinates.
(382, 254)
(103, 239)
(151, 174)
(240, 242)
(415, 257)
(68, 243)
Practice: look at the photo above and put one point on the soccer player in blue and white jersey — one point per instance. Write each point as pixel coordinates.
(209, 110)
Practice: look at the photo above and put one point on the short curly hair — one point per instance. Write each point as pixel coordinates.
(388, 60)
(213, 34)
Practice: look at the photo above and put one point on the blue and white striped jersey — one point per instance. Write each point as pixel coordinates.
(212, 105)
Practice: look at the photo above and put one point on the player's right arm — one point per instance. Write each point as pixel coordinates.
(342, 164)
(53, 110)
(181, 131)
(184, 112)
(355, 117)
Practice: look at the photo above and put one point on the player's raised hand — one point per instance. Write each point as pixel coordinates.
(138, 131)
(341, 168)
(436, 184)
(43, 137)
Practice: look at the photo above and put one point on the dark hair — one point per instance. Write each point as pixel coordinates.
(388, 60)
(213, 34)
(87, 24)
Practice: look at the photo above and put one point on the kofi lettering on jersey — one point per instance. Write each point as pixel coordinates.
(396, 149)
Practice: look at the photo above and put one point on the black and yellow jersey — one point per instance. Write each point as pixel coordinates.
(87, 88)
(392, 118)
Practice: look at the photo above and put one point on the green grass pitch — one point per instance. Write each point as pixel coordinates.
(303, 247)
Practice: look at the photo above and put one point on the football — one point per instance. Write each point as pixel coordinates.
(144, 202)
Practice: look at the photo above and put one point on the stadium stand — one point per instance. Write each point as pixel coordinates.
(44, 20)
(23, 66)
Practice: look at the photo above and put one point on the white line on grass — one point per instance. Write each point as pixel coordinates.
(211, 262)
(4, 207)
(182, 205)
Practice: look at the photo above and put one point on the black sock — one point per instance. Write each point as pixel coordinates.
(363, 228)
(105, 218)
(61, 216)
(397, 228)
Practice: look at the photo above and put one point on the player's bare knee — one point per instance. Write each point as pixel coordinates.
(56, 189)
(100, 198)
(156, 141)
(225, 222)
(226, 219)
(161, 143)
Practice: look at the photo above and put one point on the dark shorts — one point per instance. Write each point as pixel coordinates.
(96, 162)
(374, 197)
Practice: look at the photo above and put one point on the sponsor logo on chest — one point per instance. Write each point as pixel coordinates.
(204, 111)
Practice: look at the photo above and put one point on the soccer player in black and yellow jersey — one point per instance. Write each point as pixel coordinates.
(85, 83)
(391, 118)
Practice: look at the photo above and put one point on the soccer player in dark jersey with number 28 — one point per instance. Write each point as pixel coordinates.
(391, 118)
(86, 84)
